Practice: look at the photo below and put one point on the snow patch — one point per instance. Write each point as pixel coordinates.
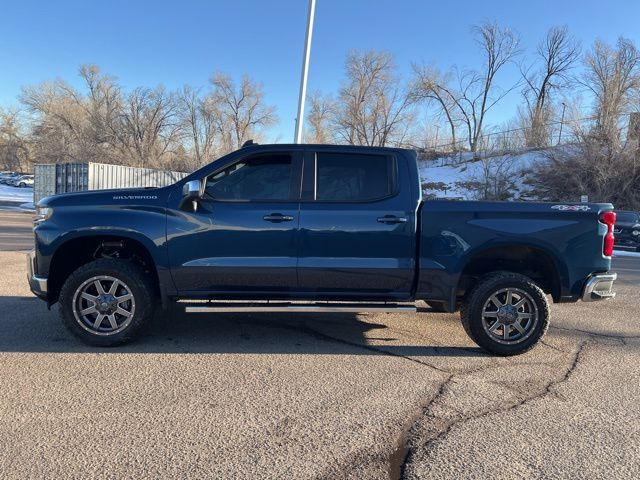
(451, 170)
(15, 194)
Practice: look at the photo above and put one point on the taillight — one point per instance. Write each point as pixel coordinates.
(609, 219)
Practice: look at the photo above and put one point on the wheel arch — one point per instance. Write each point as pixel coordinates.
(81, 249)
(538, 263)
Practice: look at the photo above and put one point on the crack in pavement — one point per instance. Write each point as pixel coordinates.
(596, 334)
(381, 351)
(552, 347)
(401, 455)
(371, 348)
(448, 426)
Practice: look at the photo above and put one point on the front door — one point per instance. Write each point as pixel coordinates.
(242, 238)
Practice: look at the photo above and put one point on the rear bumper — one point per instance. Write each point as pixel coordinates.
(599, 287)
(38, 285)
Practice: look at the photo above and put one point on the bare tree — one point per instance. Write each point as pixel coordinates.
(373, 108)
(606, 175)
(143, 127)
(612, 74)
(72, 126)
(14, 145)
(557, 54)
(321, 111)
(102, 105)
(431, 85)
(494, 180)
(102, 125)
(198, 121)
(61, 128)
(477, 93)
(148, 126)
(240, 111)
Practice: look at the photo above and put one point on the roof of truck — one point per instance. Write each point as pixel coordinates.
(320, 146)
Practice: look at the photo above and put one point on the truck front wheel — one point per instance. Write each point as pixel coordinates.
(106, 302)
(505, 313)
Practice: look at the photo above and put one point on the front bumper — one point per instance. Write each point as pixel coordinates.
(37, 284)
(599, 287)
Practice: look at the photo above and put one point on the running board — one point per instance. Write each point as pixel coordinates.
(212, 307)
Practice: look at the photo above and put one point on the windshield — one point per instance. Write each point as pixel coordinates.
(627, 217)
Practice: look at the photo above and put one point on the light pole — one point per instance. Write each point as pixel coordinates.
(305, 70)
(564, 106)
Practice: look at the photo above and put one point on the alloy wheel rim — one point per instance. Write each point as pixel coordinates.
(104, 305)
(509, 316)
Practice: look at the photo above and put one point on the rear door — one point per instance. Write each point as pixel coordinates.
(357, 228)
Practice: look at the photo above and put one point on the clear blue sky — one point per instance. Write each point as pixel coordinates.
(155, 42)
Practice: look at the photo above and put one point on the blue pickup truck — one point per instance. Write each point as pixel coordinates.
(302, 228)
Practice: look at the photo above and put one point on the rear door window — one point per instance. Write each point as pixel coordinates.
(354, 177)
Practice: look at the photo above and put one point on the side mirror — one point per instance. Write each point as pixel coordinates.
(191, 191)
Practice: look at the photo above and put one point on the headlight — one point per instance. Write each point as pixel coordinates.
(42, 214)
(635, 232)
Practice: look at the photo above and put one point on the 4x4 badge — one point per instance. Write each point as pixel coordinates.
(572, 208)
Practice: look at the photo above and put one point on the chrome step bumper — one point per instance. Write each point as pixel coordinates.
(38, 285)
(599, 287)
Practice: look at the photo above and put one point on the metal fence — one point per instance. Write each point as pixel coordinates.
(566, 131)
(51, 179)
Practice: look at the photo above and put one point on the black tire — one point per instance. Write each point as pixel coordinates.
(21, 185)
(132, 280)
(476, 324)
(436, 307)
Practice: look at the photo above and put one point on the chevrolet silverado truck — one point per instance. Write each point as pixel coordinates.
(315, 228)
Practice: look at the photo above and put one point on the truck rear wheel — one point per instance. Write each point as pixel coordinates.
(106, 302)
(506, 313)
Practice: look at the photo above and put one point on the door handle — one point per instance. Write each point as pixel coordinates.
(392, 219)
(277, 218)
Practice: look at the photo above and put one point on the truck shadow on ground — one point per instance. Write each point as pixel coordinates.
(27, 326)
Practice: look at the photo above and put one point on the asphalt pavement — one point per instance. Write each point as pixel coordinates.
(16, 230)
(316, 395)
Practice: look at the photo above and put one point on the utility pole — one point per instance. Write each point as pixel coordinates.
(305, 71)
(564, 106)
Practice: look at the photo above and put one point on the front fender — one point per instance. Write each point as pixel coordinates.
(146, 225)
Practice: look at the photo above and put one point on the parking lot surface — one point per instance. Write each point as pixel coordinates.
(316, 396)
